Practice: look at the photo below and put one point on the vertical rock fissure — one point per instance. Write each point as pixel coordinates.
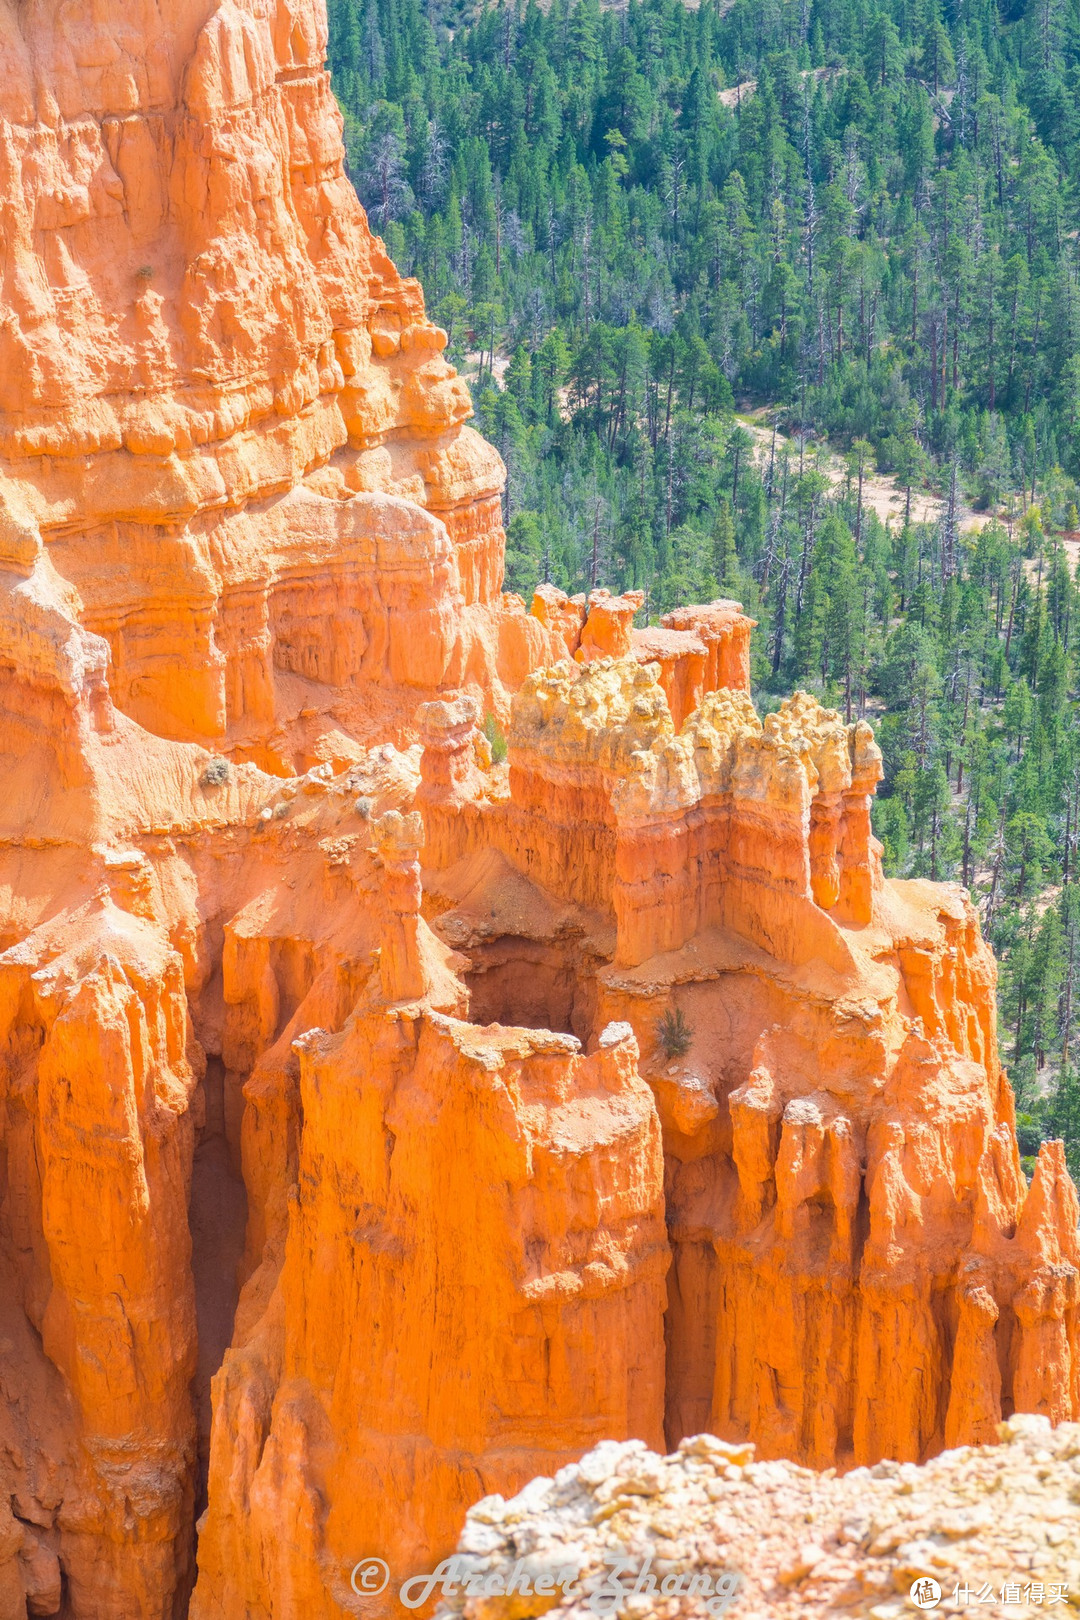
(217, 1216)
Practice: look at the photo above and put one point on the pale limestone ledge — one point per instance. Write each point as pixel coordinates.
(803, 1543)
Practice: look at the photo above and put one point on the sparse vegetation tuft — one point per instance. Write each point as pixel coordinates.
(497, 741)
(674, 1034)
(217, 773)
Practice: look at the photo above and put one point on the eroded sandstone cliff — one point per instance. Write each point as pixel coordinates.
(484, 1111)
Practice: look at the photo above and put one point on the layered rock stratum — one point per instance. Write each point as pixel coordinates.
(384, 1125)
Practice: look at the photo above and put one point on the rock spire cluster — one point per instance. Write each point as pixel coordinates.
(385, 1123)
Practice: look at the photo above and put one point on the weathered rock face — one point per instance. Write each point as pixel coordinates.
(484, 1110)
(859, 1269)
(216, 395)
(473, 1282)
(697, 649)
(98, 1072)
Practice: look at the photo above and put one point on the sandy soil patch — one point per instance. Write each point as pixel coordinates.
(880, 492)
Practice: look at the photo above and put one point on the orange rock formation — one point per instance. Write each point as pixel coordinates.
(450, 1116)
(859, 1270)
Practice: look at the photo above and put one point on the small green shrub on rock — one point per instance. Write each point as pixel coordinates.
(674, 1034)
(494, 734)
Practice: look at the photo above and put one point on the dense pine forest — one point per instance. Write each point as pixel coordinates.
(718, 272)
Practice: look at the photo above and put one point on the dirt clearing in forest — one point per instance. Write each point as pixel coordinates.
(880, 492)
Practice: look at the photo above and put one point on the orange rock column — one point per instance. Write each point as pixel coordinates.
(725, 629)
(397, 846)
(472, 1294)
(450, 781)
(95, 1085)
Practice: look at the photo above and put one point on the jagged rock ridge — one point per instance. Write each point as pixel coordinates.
(993, 1527)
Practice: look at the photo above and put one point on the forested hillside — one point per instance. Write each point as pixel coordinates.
(853, 223)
